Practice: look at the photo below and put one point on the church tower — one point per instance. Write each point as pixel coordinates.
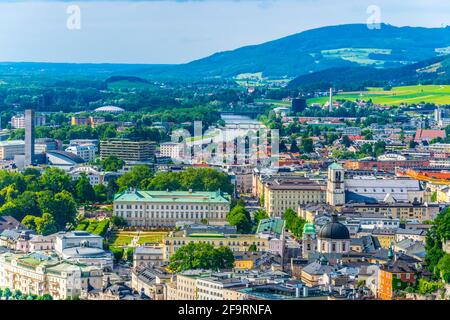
(335, 185)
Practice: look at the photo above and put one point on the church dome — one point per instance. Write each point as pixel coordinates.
(334, 230)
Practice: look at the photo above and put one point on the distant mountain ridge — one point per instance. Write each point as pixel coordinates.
(342, 46)
(432, 71)
(315, 50)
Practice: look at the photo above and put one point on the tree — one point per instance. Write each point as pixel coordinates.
(259, 215)
(7, 293)
(111, 189)
(252, 248)
(307, 145)
(61, 207)
(17, 294)
(119, 222)
(201, 256)
(45, 225)
(56, 180)
(117, 253)
(101, 193)
(294, 148)
(439, 232)
(443, 267)
(240, 218)
(112, 163)
(134, 177)
(346, 141)
(83, 189)
(29, 222)
(294, 223)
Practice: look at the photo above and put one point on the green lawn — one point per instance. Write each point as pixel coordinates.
(120, 240)
(398, 95)
(154, 237)
(124, 238)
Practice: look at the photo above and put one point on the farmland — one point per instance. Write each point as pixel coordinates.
(397, 95)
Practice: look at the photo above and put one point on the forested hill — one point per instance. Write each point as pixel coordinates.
(431, 71)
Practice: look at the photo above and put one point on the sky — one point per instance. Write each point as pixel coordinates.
(179, 31)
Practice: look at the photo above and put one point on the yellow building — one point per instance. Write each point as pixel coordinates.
(236, 242)
(283, 193)
(385, 237)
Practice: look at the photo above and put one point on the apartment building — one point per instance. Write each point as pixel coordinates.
(36, 273)
(171, 149)
(18, 121)
(128, 150)
(170, 208)
(84, 151)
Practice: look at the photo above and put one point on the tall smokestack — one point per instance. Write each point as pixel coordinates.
(29, 137)
(330, 107)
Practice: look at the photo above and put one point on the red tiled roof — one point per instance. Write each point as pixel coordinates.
(424, 134)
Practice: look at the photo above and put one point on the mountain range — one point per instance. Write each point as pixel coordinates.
(322, 52)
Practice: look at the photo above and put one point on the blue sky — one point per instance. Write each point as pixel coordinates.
(177, 31)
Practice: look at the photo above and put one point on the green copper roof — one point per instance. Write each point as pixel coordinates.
(271, 225)
(309, 228)
(172, 196)
(335, 166)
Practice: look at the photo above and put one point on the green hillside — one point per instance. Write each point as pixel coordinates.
(439, 94)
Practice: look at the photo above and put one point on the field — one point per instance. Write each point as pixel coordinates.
(132, 238)
(398, 95)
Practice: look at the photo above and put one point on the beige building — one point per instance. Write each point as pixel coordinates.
(40, 274)
(281, 194)
(147, 256)
(185, 286)
(398, 210)
(8, 149)
(171, 149)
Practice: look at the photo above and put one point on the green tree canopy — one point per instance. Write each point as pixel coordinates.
(201, 256)
(240, 218)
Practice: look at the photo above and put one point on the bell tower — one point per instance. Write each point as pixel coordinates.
(335, 185)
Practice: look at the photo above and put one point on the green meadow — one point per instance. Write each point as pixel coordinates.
(439, 94)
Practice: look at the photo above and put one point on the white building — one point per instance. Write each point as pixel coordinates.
(83, 247)
(167, 208)
(95, 177)
(36, 273)
(171, 149)
(18, 121)
(84, 151)
(9, 149)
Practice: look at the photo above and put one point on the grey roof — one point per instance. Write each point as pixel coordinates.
(148, 250)
(334, 230)
(85, 252)
(370, 190)
(66, 155)
(8, 222)
(316, 268)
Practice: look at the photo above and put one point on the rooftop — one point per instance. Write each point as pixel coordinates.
(172, 196)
